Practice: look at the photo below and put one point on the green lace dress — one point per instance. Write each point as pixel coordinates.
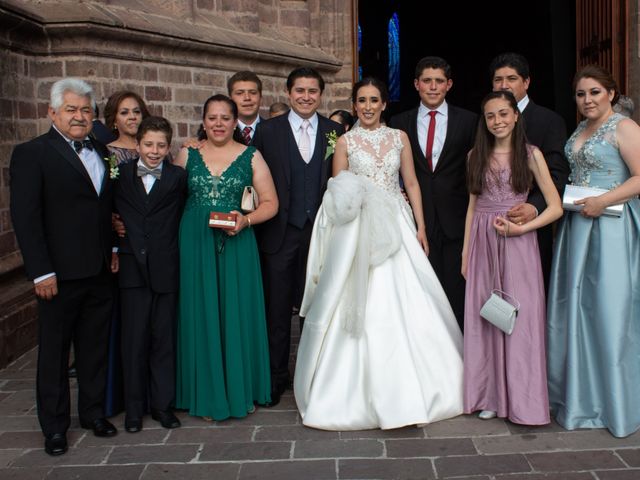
(223, 353)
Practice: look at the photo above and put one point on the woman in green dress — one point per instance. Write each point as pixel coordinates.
(223, 354)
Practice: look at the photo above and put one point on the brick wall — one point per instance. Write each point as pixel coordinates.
(174, 53)
(175, 88)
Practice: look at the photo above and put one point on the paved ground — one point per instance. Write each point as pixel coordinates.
(272, 444)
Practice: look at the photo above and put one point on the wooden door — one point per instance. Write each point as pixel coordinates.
(601, 36)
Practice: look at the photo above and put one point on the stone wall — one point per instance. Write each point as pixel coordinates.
(174, 53)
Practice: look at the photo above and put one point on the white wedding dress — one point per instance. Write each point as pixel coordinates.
(380, 346)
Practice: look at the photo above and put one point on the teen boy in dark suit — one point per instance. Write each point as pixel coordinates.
(149, 196)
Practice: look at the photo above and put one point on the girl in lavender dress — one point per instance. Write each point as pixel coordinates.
(505, 375)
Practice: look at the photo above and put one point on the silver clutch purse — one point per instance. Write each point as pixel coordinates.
(577, 192)
(249, 200)
(500, 313)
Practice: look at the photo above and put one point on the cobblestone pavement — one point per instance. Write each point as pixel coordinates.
(273, 444)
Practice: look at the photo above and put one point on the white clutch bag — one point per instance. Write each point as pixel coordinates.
(497, 311)
(249, 200)
(576, 192)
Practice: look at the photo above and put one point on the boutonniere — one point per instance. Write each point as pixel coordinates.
(332, 138)
(112, 163)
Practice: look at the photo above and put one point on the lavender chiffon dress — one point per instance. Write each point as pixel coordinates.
(504, 373)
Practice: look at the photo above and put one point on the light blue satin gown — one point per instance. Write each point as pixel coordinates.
(594, 300)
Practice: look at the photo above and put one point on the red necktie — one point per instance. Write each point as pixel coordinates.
(246, 135)
(431, 133)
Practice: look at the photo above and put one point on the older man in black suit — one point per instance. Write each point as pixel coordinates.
(546, 130)
(441, 135)
(295, 148)
(61, 202)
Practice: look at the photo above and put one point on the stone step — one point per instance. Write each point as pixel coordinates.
(18, 315)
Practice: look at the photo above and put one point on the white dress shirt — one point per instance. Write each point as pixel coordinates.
(424, 119)
(296, 120)
(522, 104)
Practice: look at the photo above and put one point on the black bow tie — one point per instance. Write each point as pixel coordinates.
(156, 172)
(79, 145)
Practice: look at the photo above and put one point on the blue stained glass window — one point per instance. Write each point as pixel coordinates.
(359, 48)
(394, 58)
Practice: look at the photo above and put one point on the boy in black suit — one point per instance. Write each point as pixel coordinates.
(149, 196)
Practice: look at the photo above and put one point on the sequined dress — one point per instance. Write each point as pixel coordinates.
(223, 354)
(594, 299)
(504, 373)
(380, 347)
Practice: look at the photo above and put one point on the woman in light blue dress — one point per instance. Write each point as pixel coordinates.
(594, 298)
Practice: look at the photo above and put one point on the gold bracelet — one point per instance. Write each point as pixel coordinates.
(248, 220)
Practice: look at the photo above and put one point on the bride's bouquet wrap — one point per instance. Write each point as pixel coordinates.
(352, 198)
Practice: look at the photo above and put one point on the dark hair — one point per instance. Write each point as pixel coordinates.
(512, 60)
(374, 82)
(480, 155)
(220, 98)
(111, 108)
(244, 76)
(278, 107)
(155, 124)
(202, 135)
(304, 72)
(600, 75)
(433, 62)
(346, 119)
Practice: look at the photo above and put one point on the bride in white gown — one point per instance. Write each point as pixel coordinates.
(380, 346)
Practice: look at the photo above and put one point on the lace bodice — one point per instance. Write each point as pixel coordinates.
(375, 154)
(597, 162)
(223, 193)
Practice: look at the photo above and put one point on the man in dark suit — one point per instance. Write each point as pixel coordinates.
(546, 130)
(295, 148)
(245, 89)
(61, 199)
(441, 135)
(149, 196)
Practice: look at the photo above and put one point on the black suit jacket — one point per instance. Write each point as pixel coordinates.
(273, 139)
(546, 130)
(444, 191)
(61, 223)
(149, 251)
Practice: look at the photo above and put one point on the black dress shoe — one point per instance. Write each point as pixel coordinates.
(276, 393)
(132, 425)
(166, 418)
(55, 444)
(101, 427)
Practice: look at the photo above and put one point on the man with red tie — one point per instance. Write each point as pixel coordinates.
(441, 135)
(245, 89)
